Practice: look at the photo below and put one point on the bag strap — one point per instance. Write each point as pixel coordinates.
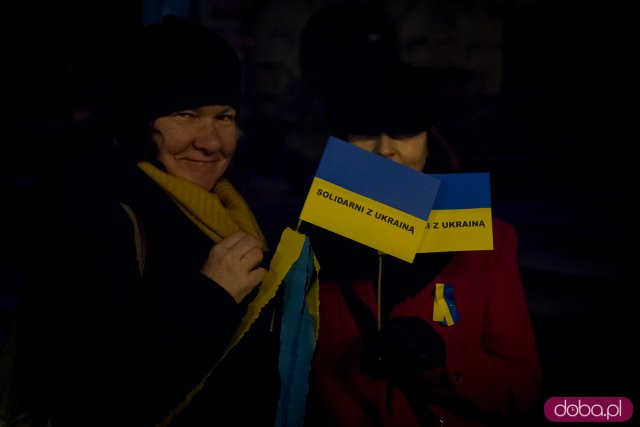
(138, 230)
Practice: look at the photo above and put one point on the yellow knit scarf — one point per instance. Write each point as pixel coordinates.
(218, 213)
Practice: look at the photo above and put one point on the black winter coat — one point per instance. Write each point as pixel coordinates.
(104, 345)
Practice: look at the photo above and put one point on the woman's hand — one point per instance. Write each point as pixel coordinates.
(233, 264)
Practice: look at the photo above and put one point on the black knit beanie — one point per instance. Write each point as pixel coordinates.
(345, 35)
(171, 66)
(394, 99)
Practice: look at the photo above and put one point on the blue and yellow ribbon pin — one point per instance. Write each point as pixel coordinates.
(444, 306)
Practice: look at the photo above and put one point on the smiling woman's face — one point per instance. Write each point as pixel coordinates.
(197, 144)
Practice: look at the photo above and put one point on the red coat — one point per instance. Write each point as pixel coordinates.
(491, 356)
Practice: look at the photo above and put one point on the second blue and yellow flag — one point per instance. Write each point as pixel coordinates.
(461, 216)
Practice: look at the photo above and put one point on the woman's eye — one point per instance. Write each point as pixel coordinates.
(404, 135)
(358, 137)
(183, 114)
(227, 117)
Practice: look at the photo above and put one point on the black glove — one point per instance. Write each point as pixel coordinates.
(409, 345)
(405, 347)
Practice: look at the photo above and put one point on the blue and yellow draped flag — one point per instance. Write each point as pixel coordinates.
(299, 329)
(461, 216)
(370, 199)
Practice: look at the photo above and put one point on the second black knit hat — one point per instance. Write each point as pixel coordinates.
(394, 99)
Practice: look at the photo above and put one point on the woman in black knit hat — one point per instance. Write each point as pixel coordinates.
(381, 358)
(138, 273)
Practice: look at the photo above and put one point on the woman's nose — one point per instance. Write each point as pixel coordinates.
(383, 146)
(208, 138)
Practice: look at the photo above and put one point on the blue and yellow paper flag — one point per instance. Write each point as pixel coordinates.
(370, 199)
(460, 219)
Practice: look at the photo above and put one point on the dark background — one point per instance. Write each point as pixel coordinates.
(535, 94)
